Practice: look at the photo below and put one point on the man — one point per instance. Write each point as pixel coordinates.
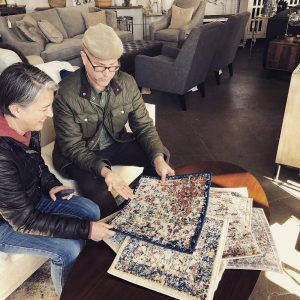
(90, 112)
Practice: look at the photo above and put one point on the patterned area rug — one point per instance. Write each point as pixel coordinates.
(38, 286)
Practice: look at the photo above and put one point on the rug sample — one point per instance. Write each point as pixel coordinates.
(116, 241)
(169, 215)
(230, 205)
(176, 274)
(237, 210)
(269, 260)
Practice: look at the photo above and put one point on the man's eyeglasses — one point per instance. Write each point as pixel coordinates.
(103, 68)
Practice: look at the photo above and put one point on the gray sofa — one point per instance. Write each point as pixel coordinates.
(70, 21)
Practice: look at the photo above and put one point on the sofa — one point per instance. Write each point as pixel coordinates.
(71, 22)
(16, 268)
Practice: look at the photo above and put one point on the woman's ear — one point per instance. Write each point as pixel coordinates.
(14, 109)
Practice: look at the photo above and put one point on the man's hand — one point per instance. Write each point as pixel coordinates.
(162, 168)
(116, 182)
(100, 231)
(59, 188)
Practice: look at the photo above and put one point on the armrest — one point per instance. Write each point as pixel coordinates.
(170, 51)
(149, 71)
(161, 24)
(9, 37)
(27, 48)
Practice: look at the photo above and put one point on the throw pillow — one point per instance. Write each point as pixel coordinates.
(50, 31)
(111, 19)
(94, 18)
(29, 28)
(180, 16)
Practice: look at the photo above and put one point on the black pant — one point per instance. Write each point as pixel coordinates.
(94, 187)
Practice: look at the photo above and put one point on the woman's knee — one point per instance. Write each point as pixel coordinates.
(68, 252)
(90, 209)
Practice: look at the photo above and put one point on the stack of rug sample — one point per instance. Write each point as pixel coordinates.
(178, 238)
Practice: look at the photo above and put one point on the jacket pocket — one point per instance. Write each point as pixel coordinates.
(120, 116)
(88, 124)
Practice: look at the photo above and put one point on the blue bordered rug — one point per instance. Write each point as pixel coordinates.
(170, 215)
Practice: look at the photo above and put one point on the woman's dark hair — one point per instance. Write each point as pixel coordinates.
(20, 83)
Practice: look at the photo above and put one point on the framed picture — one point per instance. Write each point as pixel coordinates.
(2, 2)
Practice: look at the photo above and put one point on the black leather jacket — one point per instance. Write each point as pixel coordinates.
(24, 177)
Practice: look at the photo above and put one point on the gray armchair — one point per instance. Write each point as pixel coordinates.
(178, 70)
(230, 40)
(159, 30)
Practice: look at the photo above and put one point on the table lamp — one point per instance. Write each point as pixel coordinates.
(294, 20)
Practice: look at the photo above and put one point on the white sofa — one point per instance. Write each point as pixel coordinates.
(16, 268)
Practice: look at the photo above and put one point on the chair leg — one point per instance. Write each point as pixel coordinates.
(230, 69)
(182, 102)
(201, 87)
(217, 76)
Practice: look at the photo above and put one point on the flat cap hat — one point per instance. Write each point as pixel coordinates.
(102, 42)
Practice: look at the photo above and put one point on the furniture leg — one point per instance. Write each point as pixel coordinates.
(230, 69)
(277, 173)
(201, 87)
(182, 102)
(217, 76)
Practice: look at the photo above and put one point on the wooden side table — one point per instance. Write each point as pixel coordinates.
(283, 54)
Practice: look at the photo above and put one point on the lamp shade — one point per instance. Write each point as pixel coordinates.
(267, 8)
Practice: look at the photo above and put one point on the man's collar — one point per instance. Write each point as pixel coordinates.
(86, 89)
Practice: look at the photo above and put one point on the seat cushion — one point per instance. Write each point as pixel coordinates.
(47, 156)
(170, 35)
(67, 50)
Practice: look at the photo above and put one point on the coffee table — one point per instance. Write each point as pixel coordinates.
(88, 278)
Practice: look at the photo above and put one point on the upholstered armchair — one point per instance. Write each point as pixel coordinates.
(231, 38)
(159, 30)
(179, 70)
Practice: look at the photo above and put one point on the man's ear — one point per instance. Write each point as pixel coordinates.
(14, 109)
(83, 57)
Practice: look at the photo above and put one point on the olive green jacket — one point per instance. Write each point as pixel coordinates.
(77, 120)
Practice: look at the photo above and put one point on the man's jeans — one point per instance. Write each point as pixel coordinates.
(62, 252)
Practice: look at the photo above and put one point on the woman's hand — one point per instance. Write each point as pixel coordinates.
(162, 168)
(116, 182)
(59, 188)
(100, 231)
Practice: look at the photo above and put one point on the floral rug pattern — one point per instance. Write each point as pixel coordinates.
(169, 215)
(177, 274)
(269, 260)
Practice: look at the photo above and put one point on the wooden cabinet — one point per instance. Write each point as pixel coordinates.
(7, 11)
(283, 54)
(288, 152)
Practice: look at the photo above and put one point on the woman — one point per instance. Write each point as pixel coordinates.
(33, 218)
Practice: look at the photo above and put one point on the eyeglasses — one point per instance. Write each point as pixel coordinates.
(103, 68)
